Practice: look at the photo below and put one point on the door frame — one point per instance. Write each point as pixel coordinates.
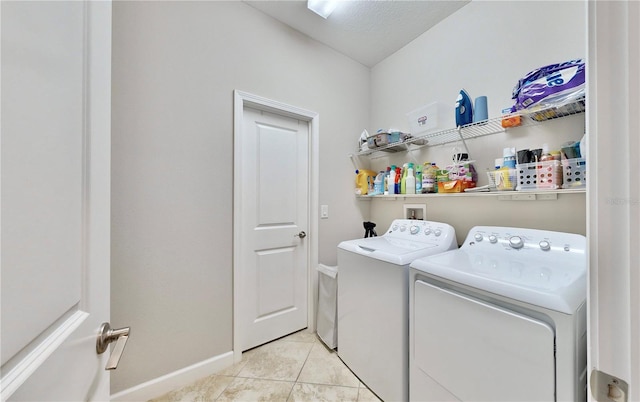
(612, 200)
(241, 100)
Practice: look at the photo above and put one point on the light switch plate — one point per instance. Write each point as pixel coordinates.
(324, 212)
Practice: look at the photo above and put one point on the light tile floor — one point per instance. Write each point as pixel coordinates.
(298, 367)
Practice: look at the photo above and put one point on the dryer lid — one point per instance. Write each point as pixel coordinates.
(543, 268)
(556, 285)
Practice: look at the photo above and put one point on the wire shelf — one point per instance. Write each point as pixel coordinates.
(486, 127)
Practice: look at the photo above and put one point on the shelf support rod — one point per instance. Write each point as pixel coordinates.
(464, 143)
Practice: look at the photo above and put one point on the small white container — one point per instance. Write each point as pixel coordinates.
(327, 318)
(431, 117)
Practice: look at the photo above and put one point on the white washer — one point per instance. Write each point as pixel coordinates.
(373, 301)
(503, 318)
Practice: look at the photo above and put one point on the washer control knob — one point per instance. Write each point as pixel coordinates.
(437, 232)
(493, 239)
(427, 231)
(395, 227)
(478, 237)
(414, 229)
(544, 245)
(516, 242)
(403, 228)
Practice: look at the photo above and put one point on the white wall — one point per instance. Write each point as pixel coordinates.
(175, 66)
(485, 47)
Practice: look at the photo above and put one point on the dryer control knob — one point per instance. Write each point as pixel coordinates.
(544, 245)
(414, 229)
(478, 237)
(516, 242)
(437, 232)
(493, 239)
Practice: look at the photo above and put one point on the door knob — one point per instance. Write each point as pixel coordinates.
(301, 235)
(107, 335)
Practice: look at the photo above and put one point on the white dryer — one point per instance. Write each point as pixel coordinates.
(373, 301)
(503, 318)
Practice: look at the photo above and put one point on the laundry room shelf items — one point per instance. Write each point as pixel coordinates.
(541, 195)
(479, 129)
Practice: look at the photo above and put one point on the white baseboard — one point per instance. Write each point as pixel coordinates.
(168, 382)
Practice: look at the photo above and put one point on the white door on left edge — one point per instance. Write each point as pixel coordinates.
(56, 80)
(274, 215)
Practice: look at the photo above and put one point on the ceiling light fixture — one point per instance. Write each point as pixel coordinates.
(322, 7)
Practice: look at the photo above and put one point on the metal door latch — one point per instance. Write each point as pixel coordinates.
(301, 235)
(106, 335)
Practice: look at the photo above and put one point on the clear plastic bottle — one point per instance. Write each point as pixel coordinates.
(429, 178)
(432, 176)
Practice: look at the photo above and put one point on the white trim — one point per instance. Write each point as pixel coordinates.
(179, 378)
(27, 366)
(613, 200)
(242, 99)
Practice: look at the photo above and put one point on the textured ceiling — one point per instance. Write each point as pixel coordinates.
(365, 30)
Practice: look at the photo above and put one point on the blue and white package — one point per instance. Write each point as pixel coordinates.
(555, 83)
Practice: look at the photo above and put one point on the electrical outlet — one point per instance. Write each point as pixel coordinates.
(324, 212)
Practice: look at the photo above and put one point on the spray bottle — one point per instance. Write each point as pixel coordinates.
(403, 181)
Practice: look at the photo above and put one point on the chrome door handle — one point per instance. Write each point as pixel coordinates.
(107, 335)
(301, 235)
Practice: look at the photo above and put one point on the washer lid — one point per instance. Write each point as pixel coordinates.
(394, 251)
(557, 283)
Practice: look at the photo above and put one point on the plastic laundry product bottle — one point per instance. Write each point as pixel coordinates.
(428, 177)
(509, 155)
(391, 182)
(403, 181)
(419, 179)
(410, 180)
(397, 181)
(435, 170)
(378, 184)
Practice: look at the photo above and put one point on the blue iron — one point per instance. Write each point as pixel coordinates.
(464, 109)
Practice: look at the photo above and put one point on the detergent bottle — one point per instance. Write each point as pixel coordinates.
(418, 179)
(363, 178)
(410, 181)
(378, 184)
(391, 182)
(386, 180)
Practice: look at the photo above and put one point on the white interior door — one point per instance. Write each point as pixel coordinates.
(273, 219)
(55, 199)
